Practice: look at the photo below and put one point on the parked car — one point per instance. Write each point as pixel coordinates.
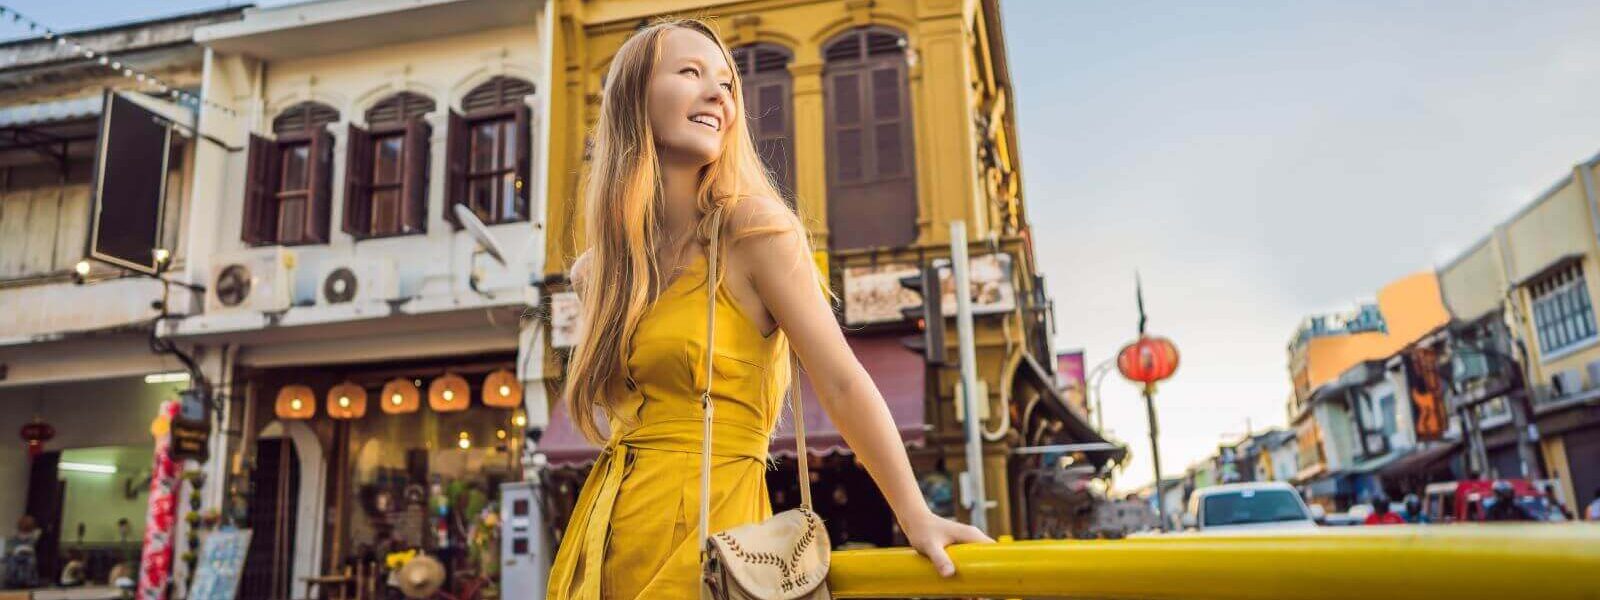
(1263, 506)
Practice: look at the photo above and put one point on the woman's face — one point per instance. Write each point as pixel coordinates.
(690, 98)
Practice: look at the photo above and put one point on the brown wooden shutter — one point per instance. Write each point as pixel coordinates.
(318, 206)
(358, 183)
(414, 182)
(871, 189)
(456, 148)
(888, 152)
(844, 120)
(524, 158)
(773, 132)
(261, 180)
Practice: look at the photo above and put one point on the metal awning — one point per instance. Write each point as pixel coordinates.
(54, 111)
(1077, 431)
(897, 372)
(1420, 461)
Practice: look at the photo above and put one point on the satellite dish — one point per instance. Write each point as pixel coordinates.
(421, 577)
(480, 233)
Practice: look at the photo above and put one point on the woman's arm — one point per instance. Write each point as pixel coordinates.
(780, 271)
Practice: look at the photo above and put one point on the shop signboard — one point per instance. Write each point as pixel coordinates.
(191, 429)
(564, 309)
(1070, 378)
(220, 565)
(873, 294)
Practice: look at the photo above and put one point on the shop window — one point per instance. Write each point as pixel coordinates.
(1562, 313)
(490, 153)
(386, 169)
(288, 180)
(768, 101)
(872, 197)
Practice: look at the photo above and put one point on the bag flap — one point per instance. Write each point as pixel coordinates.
(784, 557)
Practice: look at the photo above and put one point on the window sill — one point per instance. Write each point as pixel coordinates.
(293, 245)
(387, 236)
(1569, 350)
(458, 227)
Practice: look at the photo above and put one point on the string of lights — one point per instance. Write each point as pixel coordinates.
(161, 86)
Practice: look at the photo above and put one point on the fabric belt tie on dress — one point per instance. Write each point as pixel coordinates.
(681, 434)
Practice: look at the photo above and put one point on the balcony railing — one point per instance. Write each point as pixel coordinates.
(1458, 562)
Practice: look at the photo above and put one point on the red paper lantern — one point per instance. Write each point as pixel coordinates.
(35, 434)
(1148, 360)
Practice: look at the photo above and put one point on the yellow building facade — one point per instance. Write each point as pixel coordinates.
(1538, 271)
(933, 87)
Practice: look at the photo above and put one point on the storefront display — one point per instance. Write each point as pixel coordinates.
(414, 478)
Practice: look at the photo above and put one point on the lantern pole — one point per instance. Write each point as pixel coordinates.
(1150, 412)
(1155, 453)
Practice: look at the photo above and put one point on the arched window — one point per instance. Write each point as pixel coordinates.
(289, 180)
(386, 169)
(768, 104)
(490, 152)
(872, 198)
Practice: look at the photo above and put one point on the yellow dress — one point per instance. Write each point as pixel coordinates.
(633, 531)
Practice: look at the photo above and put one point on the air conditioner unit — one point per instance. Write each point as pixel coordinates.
(1594, 373)
(358, 281)
(256, 281)
(1566, 383)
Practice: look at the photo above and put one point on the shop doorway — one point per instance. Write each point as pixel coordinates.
(45, 491)
(844, 495)
(274, 500)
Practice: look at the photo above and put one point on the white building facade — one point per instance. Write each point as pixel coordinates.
(336, 271)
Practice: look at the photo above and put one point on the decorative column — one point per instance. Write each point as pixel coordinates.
(810, 149)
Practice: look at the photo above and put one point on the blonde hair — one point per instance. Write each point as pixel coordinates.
(623, 205)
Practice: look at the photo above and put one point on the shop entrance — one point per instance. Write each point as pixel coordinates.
(274, 493)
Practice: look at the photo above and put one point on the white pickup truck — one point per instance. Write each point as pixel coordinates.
(1256, 507)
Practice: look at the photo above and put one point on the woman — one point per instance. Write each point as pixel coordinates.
(673, 166)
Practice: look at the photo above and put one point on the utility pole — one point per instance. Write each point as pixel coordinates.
(969, 376)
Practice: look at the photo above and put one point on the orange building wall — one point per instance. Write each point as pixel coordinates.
(1411, 306)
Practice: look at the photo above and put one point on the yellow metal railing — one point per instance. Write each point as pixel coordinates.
(1456, 562)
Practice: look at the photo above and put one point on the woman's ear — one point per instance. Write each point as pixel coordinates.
(579, 274)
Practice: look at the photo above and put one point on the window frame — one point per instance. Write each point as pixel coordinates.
(375, 138)
(304, 124)
(872, 195)
(1562, 311)
(286, 144)
(506, 118)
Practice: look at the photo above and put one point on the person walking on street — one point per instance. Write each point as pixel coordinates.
(1381, 515)
(1552, 501)
(1504, 505)
(1414, 514)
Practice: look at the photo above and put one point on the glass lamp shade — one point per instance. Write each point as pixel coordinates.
(449, 393)
(400, 397)
(347, 401)
(296, 403)
(502, 390)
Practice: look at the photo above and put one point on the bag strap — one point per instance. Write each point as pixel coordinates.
(804, 471)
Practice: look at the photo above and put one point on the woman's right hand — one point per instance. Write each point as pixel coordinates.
(929, 533)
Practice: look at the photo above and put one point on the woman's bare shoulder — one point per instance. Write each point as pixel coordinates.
(767, 236)
(757, 215)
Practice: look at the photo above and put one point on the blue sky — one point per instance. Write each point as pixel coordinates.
(1254, 162)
